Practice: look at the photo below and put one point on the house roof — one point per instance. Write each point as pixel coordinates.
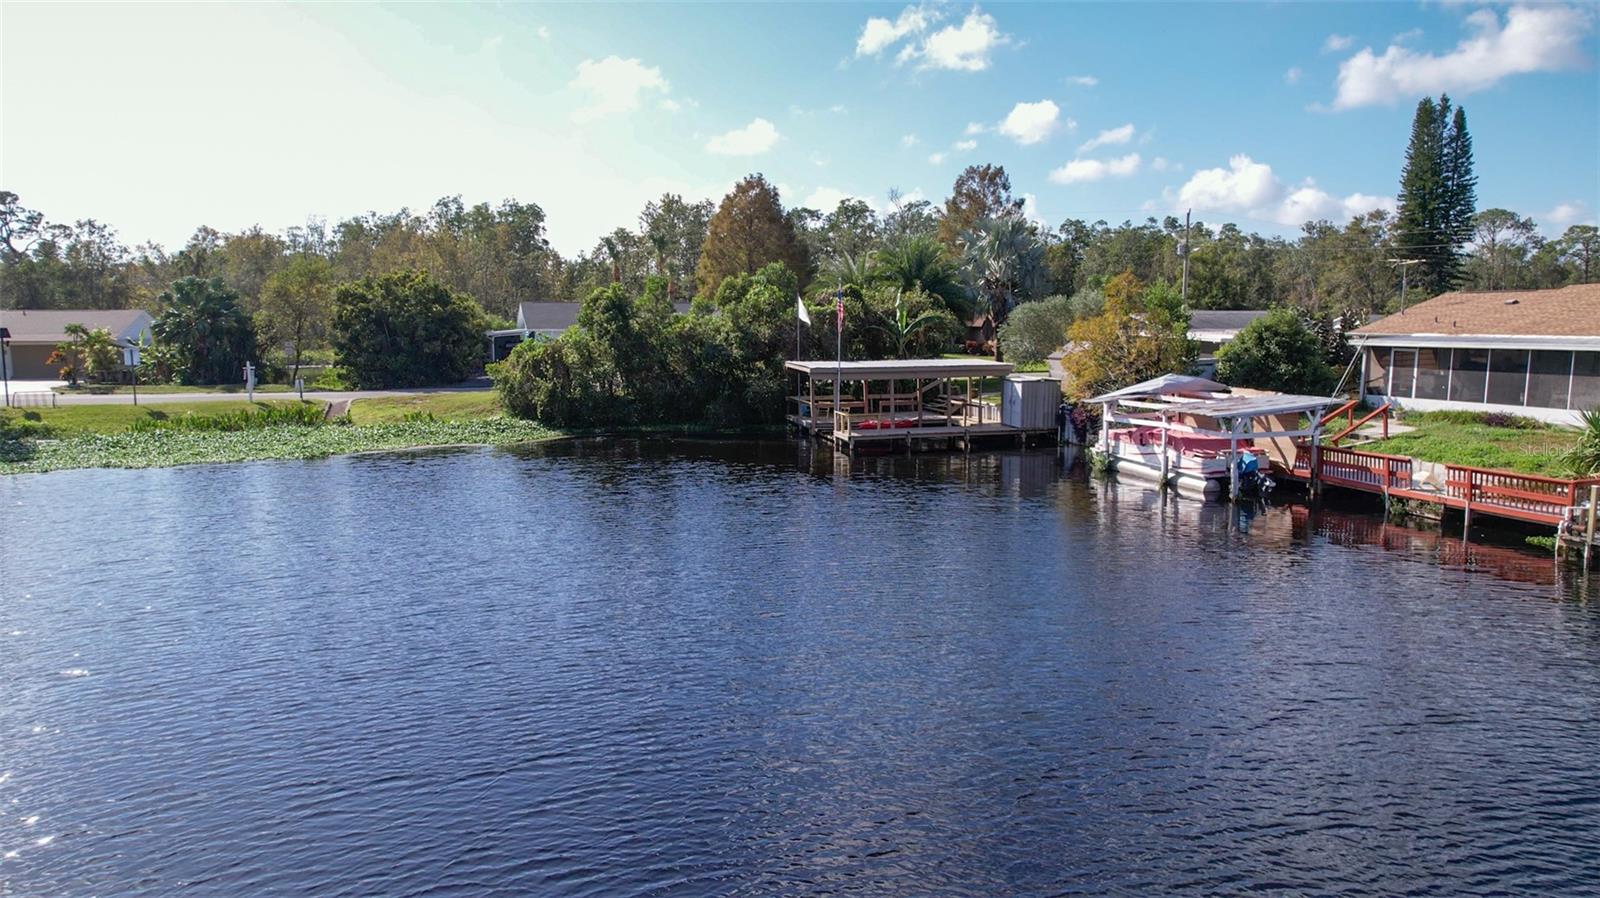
(49, 325)
(1229, 321)
(1563, 312)
(826, 369)
(558, 316)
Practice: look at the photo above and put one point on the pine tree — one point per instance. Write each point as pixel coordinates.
(1461, 191)
(1437, 195)
(748, 231)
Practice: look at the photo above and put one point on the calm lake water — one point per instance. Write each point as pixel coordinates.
(652, 668)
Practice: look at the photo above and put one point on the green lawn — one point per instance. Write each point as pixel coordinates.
(1462, 438)
(471, 406)
(76, 420)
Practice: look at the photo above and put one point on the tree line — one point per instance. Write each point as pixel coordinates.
(972, 258)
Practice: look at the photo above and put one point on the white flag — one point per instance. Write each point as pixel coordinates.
(800, 309)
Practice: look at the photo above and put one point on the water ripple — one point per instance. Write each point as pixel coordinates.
(655, 668)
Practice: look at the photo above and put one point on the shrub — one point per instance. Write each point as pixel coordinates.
(299, 414)
(629, 362)
(405, 330)
(1277, 352)
(1584, 458)
(1033, 330)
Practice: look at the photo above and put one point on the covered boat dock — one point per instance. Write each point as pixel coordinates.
(936, 402)
(1199, 435)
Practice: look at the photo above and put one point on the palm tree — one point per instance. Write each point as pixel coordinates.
(1005, 262)
(848, 270)
(902, 328)
(203, 322)
(913, 263)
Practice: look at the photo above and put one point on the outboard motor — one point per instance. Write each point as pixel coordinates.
(1252, 480)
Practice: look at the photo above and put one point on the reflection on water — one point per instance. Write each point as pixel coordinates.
(656, 667)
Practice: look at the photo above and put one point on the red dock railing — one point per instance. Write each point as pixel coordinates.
(1509, 494)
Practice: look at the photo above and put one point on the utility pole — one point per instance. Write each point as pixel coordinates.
(1405, 269)
(1183, 250)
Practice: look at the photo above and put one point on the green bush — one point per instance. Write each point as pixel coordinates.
(405, 330)
(1584, 458)
(299, 414)
(1277, 352)
(1033, 330)
(334, 378)
(631, 362)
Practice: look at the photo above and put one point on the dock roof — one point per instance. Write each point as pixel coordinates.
(1254, 406)
(884, 369)
(1165, 385)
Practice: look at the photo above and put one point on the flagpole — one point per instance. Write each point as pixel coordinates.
(838, 344)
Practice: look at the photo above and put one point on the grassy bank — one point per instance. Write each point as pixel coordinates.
(473, 406)
(38, 440)
(1470, 438)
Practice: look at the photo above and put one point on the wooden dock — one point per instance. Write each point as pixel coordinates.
(906, 404)
(1567, 504)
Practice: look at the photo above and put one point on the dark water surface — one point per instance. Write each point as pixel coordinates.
(692, 669)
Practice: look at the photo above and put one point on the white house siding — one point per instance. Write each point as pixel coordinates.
(1526, 380)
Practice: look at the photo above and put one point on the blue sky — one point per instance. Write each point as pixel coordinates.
(157, 118)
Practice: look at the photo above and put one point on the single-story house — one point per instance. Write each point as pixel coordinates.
(35, 333)
(1528, 352)
(541, 320)
(1212, 328)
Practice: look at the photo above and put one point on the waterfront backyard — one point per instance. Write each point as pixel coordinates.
(682, 667)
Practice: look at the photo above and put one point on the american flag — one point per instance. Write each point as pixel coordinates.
(838, 309)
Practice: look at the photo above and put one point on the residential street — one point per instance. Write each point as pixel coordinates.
(320, 396)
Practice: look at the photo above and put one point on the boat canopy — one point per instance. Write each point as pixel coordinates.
(1258, 405)
(1165, 385)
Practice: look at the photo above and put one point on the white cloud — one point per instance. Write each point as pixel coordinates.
(1083, 80)
(878, 34)
(1162, 163)
(614, 85)
(1565, 215)
(1337, 42)
(960, 48)
(757, 137)
(1408, 34)
(1110, 137)
(1030, 123)
(908, 140)
(544, 32)
(1081, 170)
(965, 146)
(1243, 186)
(1247, 187)
(1293, 75)
(1030, 210)
(1532, 39)
(935, 158)
(974, 128)
(670, 105)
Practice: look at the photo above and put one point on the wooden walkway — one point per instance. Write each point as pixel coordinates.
(1552, 501)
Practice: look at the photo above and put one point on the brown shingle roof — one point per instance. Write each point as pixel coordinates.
(48, 325)
(1564, 312)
